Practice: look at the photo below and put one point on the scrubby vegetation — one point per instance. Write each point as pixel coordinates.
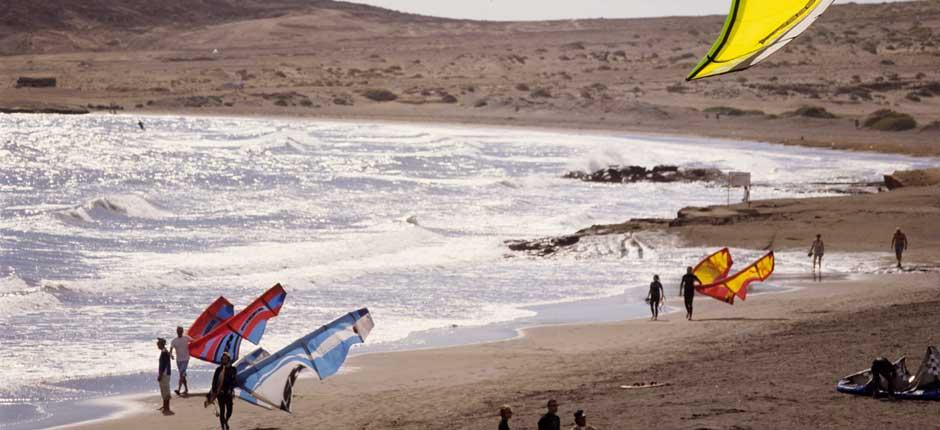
(889, 120)
(380, 95)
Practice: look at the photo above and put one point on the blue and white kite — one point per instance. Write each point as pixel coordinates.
(267, 380)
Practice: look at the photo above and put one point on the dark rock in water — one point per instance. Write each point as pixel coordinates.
(893, 183)
(663, 173)
(543, 246)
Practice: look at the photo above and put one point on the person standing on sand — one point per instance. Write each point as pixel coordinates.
(655, 297)
(163, 376)
(505, 413)
(816, 250)
(687, 290)
(550, 420)
(223, 389)
(181, 345)
(899, 242)
(580, 421)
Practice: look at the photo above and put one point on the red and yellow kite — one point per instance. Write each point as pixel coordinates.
(713, 272)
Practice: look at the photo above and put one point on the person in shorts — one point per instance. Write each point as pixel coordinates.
(181, 346)
(899, 243)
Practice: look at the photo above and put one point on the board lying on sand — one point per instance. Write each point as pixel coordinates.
(923, 385)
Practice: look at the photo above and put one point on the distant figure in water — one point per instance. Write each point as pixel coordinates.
(223, 389)
(580, 421)
(181, 346)
(687, 290)
(140, 124)
(655, 297)
(505, 413)
(550, 420)
(816, 250)
(163, 376)
(899, 242)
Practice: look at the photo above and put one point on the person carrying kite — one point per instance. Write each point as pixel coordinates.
(687, 290)
(223, 389)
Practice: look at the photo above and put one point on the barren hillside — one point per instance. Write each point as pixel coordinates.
(328, 59)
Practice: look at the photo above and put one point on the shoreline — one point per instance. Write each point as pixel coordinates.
(532, 339)
(603, 310)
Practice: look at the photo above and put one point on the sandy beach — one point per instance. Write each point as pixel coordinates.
(769, 362)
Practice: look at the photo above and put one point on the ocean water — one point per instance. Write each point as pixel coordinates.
(111, 236)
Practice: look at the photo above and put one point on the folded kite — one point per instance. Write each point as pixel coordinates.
(219, 330)
(713, 272)
(267, 380)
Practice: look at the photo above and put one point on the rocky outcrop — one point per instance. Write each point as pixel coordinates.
(631, 174)
(62, 110)
(912, 178)
(24, 82)
(549, 245)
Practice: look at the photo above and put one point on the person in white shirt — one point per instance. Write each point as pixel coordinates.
(580, 421)
(181, 346)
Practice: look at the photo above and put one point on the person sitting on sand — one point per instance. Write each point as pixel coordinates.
(687, 290)
(163, 376)
(550, 420)
(505, 413)
(655, 296)
(223, 389)
(580, 421)
(899, 243)
(883, 377)
(816, 250)
(181, 346)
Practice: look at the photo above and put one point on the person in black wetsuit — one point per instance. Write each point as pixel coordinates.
(505, 413)
(550, 420)
(883, 377)
(655, 297)
(223, 389)
(687, 290)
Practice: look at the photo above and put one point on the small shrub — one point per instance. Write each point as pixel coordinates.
(889, 120)
(380, 95)
(887, 63)
(813, 112)
(540, 93)
(522, 87)
(449, 98)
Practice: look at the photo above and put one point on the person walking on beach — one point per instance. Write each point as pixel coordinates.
(505, 413)
(223, 389)
(580, 421)
(816, 250)
(899, 242)
(655, 297)
(550, 420)
(181, 346)
(163, 376)
(687, 290)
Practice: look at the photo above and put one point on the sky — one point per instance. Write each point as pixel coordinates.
(513, 10)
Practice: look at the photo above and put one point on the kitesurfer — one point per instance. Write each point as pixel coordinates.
(687, 290)
(163, 376)
(655, 297)
(223, 389)
(140, 124)
(181, 346)
(550, 420)
(816, 250)
(882, 371)
(580, 421)
(899, 242)
(505, 413)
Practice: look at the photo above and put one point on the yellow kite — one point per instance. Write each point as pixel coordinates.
(713, 272)
(755, 29)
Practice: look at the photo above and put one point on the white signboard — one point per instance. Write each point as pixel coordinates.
(739, 179)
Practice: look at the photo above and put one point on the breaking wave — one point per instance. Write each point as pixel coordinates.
(114, 207)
